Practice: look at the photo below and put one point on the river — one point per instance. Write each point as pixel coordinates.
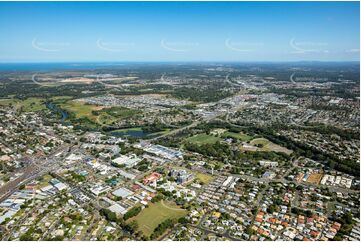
(54, 108)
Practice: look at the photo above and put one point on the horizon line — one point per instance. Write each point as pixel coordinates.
(185, 61)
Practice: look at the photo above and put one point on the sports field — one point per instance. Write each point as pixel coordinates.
(149, 218)
(315, 178)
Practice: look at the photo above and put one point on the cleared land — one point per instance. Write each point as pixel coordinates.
(315, 178)
(149, 218)
(262, 144)
(260, 141)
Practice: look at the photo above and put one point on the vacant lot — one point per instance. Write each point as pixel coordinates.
(149, 218)
(315, 178)
(200, 139)
(205, 178)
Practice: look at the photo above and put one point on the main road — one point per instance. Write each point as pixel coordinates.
(36, 168)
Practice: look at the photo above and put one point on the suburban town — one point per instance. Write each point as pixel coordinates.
(167, 168)
(180, 121)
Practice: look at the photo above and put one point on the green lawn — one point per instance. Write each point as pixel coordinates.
(239, 136)
(149, 218)
(203, 139)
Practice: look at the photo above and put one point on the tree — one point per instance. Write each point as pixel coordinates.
(157, 198)
(132, 212)
(109, 215)
(183, 220)
(132, 226)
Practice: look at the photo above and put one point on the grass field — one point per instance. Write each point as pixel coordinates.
(44, 181)
(149, 218)
(205, 178)
(31, 104)
(120, 112)
(81, 109)
(61, 98)
(239, 136)
(203, 139)
(98, 114)
(218, 131)
(269, 146)
(7, 102)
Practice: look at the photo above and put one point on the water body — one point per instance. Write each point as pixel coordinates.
(66, 66)
(54, 108)
(136, 133)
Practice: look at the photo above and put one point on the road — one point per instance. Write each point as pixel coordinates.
(36, 168)
(193, 124)
(176, 130)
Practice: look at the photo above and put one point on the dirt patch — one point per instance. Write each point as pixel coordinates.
(315, 178)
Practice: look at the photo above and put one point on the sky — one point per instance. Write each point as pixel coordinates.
(179, 31)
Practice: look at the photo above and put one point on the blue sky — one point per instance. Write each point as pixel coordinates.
(173, 31)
